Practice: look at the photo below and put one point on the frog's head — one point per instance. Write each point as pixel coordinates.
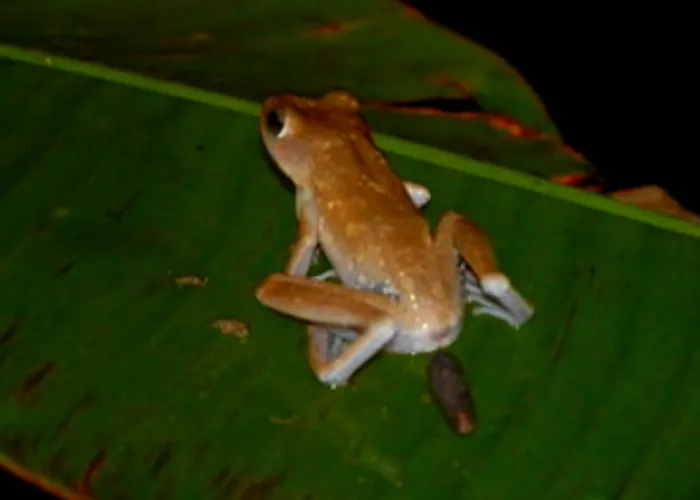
(298, 131)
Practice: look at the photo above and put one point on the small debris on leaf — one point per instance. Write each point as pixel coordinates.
(451, 392)
(232, 327)
(191, 280)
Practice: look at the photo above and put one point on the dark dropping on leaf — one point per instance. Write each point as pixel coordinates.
(450, 391)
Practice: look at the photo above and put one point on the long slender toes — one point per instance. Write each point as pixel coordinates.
(331, 273)
(499, 286)
(482, 300)
(498, 313)
(473, 290)
(469, 276)
(488, 298)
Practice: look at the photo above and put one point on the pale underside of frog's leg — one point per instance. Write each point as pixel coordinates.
(485, 283)
(333, 305)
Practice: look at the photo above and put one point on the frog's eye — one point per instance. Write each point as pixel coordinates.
(277, 122)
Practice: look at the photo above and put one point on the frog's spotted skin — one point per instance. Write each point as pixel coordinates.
(402, 287)
(471, 292)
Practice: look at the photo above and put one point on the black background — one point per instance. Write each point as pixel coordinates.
(611, 83)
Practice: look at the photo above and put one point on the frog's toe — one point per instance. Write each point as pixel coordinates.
(496, 312)
(517, 307)
(477, 297)
(326, 275)
(332, 378)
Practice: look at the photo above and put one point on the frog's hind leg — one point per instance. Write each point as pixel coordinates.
(481, 279)
(471, 291)
(334, 306)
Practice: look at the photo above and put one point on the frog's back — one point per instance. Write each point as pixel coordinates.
(351, 169)
(369, 227)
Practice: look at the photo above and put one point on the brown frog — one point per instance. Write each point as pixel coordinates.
(403, 289)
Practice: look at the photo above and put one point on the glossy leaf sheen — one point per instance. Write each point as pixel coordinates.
(108, 191)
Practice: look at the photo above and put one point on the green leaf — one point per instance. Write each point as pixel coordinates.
(379, 49)
(484, 137)
(113, 382)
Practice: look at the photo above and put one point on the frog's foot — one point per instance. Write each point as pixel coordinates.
(507, 305)
(490, 307)
(331, 273)
(517, 310)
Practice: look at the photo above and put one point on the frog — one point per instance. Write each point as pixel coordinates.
(402, 288)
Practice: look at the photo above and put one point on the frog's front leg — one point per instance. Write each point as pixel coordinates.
(499, 297)
(307, 236)
(332, 305)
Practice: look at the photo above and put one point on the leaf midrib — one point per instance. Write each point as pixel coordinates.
(420, 152)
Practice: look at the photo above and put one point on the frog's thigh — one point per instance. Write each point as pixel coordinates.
(331, 304)
(420, 195)
(455, 231)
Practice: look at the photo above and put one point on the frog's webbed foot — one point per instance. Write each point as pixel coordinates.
(489, 307)
(510, 310)
(335, 311)
(481, 280)
(515, 309)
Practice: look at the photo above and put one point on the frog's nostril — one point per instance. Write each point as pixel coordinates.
(276, 121)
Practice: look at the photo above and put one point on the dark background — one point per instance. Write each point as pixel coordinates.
(607, 83)
(618, 83)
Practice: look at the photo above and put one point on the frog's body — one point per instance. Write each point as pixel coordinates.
(402, 289)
